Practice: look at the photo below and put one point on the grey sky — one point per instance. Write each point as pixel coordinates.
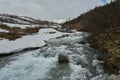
(48, 9)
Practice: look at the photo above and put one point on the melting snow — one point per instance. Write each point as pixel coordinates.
(59, 21)
(2, 30)
(23, 26)
(29, 41)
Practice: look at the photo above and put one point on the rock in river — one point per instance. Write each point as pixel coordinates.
(62, 59)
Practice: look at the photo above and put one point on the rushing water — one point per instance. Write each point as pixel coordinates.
(43, 64)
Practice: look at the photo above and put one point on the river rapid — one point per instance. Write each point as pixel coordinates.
(42, 64)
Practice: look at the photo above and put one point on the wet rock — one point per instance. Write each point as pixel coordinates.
(119, 72)
(93, 46)
(82, 42)
(113, 77)
(119, 76)
(62, 59)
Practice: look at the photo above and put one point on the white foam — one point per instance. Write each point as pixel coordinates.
(78, 72)
(99, 77)
(28, 67)
(65, 40)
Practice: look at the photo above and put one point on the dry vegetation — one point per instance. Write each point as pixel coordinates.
(16, 32)
(104, 22)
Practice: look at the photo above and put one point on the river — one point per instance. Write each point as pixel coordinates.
(42, 64)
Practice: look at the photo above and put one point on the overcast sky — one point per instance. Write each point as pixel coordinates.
(48, 9)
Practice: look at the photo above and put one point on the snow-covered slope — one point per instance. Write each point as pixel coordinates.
(22, 26)
(37, 40)
(13, 27)
(22, 21)
(7, 18)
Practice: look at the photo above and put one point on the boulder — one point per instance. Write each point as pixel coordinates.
(62, 59)
(82, 42)
(113, 77)
(94, 46)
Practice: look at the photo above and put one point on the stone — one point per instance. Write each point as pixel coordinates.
(113, 77)
(62, 59)
(119, 72)
(94, 46)
(82, 42)
(118, 76)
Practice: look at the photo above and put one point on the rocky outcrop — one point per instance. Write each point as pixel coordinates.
(62, 59)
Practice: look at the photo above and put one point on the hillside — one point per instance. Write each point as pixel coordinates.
(104, 23)
(8, 18)
(13, 27)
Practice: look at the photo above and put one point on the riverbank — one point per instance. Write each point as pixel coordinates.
(104, 25)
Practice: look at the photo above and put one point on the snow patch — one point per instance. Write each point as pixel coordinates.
(23, 26)
(59, 21)
(2, 30)
(29, 41)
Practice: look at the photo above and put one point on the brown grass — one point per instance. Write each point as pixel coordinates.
(16, 32)
(104, 22)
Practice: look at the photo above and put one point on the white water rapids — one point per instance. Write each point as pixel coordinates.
(42, 64)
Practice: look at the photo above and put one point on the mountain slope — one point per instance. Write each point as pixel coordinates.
(7, 18)
(13, 27)
(104, 23)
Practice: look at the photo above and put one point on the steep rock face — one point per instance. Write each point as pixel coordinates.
(104, 23)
